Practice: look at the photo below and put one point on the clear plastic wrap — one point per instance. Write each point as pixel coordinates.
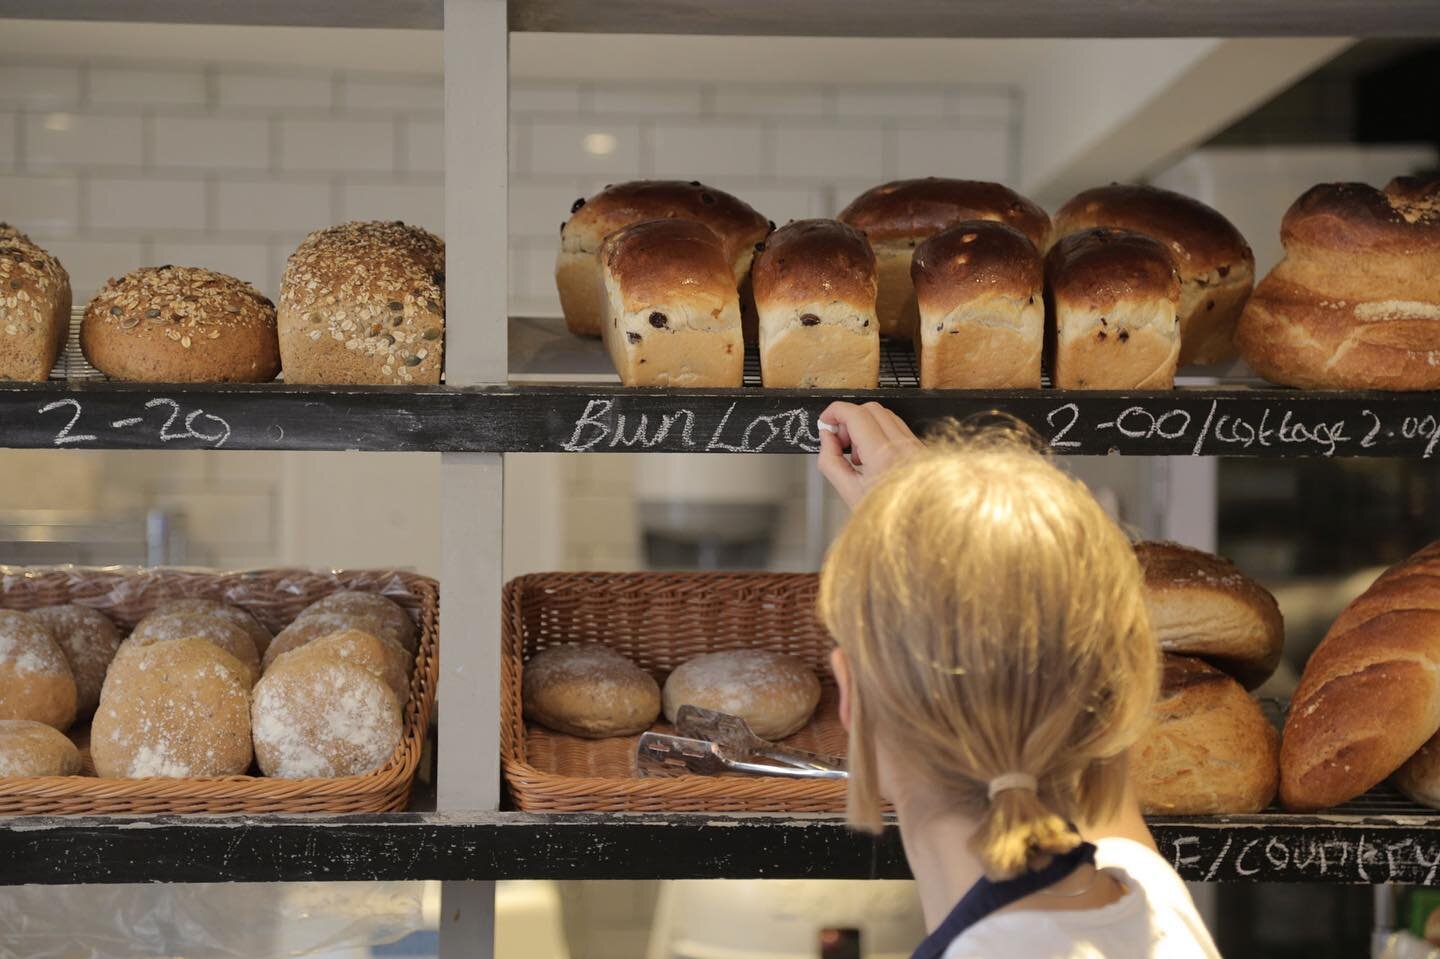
(213, 921)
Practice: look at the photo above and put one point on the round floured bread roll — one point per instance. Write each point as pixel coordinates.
(313, 627)
(380, 656)
(36, 681)
(590, 691)
(1209, 748)
(180, 324)
(1201, 605)
(323, 716)
(34, 749)
(258, 634)
(168, 627)
(398, 626)
(178, 709)
(89, 641)
(1215, 264)
(775, 693)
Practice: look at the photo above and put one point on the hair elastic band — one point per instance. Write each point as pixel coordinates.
(1006, 781)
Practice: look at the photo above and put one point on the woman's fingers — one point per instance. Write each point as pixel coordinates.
(838, 470)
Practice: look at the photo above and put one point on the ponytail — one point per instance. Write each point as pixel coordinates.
(1016, 829)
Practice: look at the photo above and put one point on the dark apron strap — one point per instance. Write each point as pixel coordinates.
(985, 897)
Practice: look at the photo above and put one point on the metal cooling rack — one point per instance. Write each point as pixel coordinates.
(898, 366)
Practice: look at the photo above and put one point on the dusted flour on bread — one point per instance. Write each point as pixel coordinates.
(322, 720)
(89, 641)
(36, 682)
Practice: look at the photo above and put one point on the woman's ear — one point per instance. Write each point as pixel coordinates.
(841, 667)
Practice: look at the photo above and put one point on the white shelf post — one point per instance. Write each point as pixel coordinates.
(477, 83)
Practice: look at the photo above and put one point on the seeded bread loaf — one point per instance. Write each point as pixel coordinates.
(814, 284)
(1355, 303)
(897, 216)
(1213, 260)
(577, 269)
(34, 308)
(980, 288)
(672, 312)
(181, 324)
(364, 303)
(1111, 297)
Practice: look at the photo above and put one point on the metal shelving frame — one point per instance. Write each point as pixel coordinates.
(484, 412)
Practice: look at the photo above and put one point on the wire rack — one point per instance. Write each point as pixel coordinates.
(72, 366)
(898, 366)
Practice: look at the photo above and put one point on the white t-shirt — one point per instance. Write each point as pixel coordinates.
(1154, 919)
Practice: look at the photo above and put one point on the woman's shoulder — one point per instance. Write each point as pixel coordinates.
(1155, 919)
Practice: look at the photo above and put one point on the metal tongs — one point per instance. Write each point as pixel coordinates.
(710, 743)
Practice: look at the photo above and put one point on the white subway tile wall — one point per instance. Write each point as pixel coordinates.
(119, 163)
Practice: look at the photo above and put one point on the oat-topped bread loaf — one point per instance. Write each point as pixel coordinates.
(364, 303)
(980, 289)
(1369, 697)
(577, 269)
(1355, 303)
(897, 216)
(1111, 297)
(814, 285)
(1209, 749)
(34, 308)
(181, 324)
(672, 312)
(1201, 605)
(1216, 267)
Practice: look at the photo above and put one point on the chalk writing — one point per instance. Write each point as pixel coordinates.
(1325, 856)
(602, 427)
(180, 423)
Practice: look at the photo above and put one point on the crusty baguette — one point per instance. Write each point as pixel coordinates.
(1369, 697)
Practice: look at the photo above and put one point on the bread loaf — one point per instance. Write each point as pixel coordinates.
(814, 287)
(1355, 303)
(897, 216)
(180, 324)
(589, 690)
(89, 641)
(979, 287)
(34, 308)
(323, 716)
(34, 749)
(165, 627)
(1369, 697)
(177, 709)
(379, 656)
(397, 625)
(36, 681)
(775, 693)
(1201, 605)
(578, 271)
(1209, 748)
(1214, 263)
(258, 634)
(1111, 296)
(672, 313)
(364, 302)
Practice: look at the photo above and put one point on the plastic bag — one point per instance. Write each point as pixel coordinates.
(211, 921)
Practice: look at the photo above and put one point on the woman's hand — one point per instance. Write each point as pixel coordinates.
(876, 438)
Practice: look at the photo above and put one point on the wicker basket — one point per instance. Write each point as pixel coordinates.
(658, 620)
(275, 597)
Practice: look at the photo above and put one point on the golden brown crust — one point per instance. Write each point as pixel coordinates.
(1201, 605)
(1368, 699)
(975, 257)
(180, 324)
(1209, 749)
(731, 219)
(1198, 237)
(1100, 267)
(1404, 219)
(808, 260)
(34, 308)
(658, 260)
(907, 211)
(364, 302)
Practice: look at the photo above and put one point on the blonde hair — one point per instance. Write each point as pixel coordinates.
(994, 623)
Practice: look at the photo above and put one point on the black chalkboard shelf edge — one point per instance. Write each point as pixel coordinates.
(1194, 420)
(1271, 847)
